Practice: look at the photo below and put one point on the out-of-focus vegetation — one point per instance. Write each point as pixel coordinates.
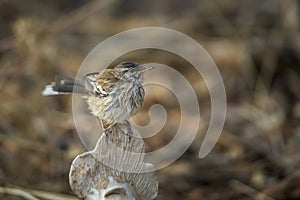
(255, 44)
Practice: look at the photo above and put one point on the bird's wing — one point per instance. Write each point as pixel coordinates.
(100, 84)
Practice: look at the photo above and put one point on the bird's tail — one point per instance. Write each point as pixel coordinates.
(64, 86)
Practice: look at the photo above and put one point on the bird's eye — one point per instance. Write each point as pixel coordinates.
(128, 69)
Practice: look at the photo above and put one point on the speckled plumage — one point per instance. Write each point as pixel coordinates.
(116, 95)
(113, 95)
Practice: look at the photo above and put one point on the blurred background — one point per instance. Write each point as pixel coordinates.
(255, 44)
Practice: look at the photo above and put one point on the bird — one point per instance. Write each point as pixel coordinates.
(113, 95)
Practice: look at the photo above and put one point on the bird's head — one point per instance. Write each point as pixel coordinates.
(132, 71)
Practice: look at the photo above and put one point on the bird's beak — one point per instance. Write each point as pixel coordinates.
(143, 68)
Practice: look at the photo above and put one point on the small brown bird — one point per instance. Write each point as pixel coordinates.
(113, 95)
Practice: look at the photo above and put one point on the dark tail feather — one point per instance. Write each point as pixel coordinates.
(64, 86)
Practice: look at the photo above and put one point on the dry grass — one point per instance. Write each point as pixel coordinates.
(255, 45)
